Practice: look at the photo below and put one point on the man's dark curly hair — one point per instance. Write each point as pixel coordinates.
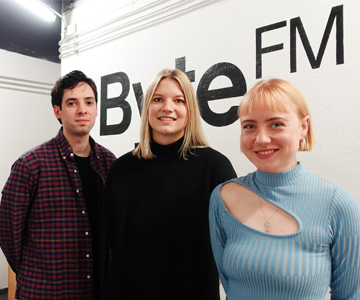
(70, 81)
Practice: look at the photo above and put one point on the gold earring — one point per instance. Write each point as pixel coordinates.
(303, 148)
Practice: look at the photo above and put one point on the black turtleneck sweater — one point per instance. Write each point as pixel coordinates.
(157, 212)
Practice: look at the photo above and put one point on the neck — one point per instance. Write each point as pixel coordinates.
(79, 144)
(166, 139)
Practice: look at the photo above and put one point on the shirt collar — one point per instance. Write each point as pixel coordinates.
(281, 179)
(166, 151)
(65, 149)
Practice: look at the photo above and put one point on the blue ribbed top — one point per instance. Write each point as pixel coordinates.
(324, 252)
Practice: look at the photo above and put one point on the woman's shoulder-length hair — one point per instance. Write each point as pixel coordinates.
(193, 137)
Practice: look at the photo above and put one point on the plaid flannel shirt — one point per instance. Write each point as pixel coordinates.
(44, 228)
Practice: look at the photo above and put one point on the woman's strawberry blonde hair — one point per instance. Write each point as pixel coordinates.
(276, 95)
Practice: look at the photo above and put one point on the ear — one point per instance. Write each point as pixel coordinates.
(57, 111)
(305, 125)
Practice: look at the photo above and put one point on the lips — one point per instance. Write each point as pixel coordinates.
(82, 120)
(166, 119)
(264, 152)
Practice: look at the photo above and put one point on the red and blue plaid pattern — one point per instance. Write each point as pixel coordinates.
(44, 228)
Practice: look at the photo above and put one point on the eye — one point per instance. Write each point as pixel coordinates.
(90, 102)
(70, 103)
(248, 126)
(179, 101)
(157, 99)
(277, 124)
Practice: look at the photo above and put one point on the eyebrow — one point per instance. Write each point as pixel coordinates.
(267, 120)
(180, 95)
(76, 99)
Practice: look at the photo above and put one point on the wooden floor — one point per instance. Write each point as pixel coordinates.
(11, 285)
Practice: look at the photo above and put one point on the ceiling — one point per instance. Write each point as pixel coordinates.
(23, 32)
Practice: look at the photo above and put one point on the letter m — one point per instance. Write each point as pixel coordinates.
(296, 24)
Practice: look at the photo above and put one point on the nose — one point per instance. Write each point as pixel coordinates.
(262, 137)
(167, 106)
(82, 109)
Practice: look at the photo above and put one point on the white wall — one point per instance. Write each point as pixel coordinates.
(141, 37)
(26, 117)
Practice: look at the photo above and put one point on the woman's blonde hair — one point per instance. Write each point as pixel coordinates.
(276, 95)
(193, 137)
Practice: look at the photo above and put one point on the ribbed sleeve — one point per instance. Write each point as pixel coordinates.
(345, 249)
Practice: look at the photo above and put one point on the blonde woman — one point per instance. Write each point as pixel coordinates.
(158, 200)
(281, 232)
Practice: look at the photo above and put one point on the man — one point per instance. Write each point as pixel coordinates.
(52, 227)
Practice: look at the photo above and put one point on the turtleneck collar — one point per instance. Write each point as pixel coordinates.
(280, 179)
(166, 151)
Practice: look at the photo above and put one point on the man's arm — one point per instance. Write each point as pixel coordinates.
(14, 211)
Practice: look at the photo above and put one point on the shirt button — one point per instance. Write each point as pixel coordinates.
(86, 233)
(87, 255)
(83, 212)
(77, 191)
(88, 277)
(71, 154)
(75, 171)
(64, 157)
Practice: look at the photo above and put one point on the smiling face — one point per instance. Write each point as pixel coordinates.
(78, 111)
(270, 139)
(168, 113)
